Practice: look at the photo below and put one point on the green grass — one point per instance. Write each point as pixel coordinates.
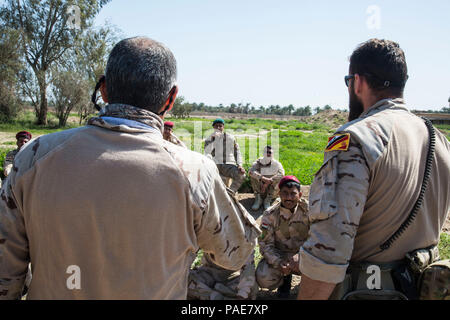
(445, 129)
(444, 246)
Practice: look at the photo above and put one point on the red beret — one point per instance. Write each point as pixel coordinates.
(168, 124)
(287, 179)
(23, 134)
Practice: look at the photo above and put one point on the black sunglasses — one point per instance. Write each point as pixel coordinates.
(348, 78)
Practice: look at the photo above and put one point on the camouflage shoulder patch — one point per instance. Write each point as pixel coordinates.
(264, 225)
(338, 142)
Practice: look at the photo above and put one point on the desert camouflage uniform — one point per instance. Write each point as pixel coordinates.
(224, 150)
(361, 196)
(174, 139)
(283, 234)
(9, 161)
(273, 170)
(141, 210)
(210, 282)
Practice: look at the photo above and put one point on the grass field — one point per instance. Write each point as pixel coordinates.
(301, 144)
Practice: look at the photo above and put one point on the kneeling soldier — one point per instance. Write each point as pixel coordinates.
(285, 227)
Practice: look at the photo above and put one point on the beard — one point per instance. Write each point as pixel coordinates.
(355, 106)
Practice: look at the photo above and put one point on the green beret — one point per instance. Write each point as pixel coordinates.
(219, 120)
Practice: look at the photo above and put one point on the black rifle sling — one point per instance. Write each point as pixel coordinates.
(418, 204)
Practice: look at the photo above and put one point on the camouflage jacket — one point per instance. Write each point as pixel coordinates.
(9, 160)
(141, 209)
(283, 232)
(364, 192)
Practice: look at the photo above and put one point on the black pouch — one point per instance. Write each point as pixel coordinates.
(405, 282)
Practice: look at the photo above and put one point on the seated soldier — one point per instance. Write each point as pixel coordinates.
(285, 227)
(22, 137)
(265, 174)
(224, 150)
(170, 136)
(211, 282)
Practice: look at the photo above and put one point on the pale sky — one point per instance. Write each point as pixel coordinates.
(290, 52)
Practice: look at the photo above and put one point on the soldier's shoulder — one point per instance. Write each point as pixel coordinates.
(303, 205)
(198, 169)
(274, 209)
(39, 147)
(11, 154)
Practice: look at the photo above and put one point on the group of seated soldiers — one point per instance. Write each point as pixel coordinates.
(284, 224)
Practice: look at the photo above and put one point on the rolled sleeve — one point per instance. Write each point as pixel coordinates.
(316, 269)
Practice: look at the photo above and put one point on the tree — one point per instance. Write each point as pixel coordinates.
(9, 68)
(47, 30)
(70, 91)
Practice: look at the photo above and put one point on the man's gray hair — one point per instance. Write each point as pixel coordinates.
(140, 72)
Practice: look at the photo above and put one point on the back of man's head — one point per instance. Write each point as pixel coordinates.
(140, 72)
(383, 64)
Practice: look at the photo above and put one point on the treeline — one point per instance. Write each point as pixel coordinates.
(183, 109)
(51, 54)
(443, 110)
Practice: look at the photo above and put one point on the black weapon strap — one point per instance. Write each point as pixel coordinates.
(426, 177)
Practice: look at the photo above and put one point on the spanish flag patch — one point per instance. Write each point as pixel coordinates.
(338, 142)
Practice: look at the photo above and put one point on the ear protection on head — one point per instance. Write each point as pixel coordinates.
(94, 95)
(169, 104)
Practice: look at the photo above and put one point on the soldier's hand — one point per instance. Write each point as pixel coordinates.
(241, 170)
(265, 180)
(285, 268)
(294, 264)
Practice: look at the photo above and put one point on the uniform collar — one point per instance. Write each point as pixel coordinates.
(286, 213)
(385, 104)
(126, 118)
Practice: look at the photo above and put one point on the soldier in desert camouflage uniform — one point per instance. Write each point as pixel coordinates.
(265, 174)
(22, 138)
(369, 182)
(168, 134)
(210, 282)
(285, 227)
(224, 150)
(141, 209)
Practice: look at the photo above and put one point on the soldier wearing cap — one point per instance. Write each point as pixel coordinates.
(285, 227)
(364, 208)
(22, 138)
(141, 210)
(224, 150)
(265, 174)
(168, 134)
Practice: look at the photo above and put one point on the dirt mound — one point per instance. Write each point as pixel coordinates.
(331, 118)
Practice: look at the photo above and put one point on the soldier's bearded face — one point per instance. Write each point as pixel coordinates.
(355, 105)
(289, 197)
